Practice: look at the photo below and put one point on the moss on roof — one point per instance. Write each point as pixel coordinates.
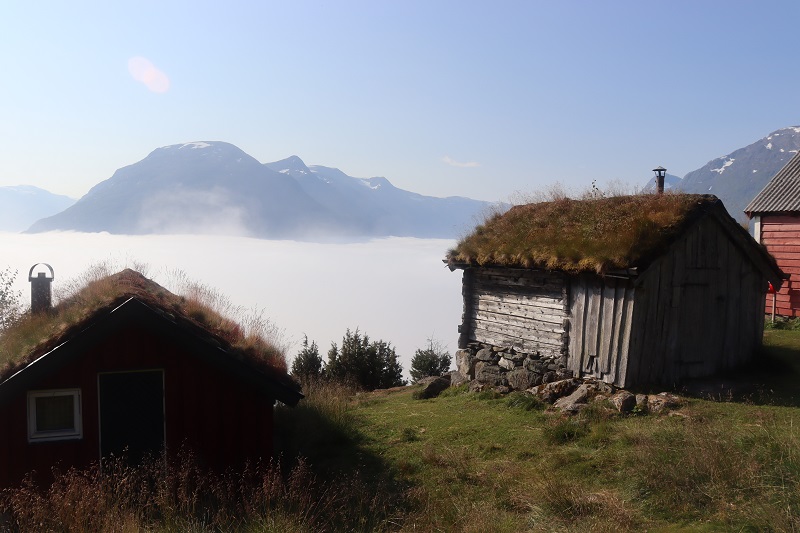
(592, 235)
(35, 335)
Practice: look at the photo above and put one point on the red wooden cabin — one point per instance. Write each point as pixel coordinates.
(135, 376)
(775, 212)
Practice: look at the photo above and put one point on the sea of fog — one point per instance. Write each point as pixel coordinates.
(395, 289)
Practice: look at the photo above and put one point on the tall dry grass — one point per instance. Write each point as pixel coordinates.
(179, 496)
(597, 233)
(99, 285)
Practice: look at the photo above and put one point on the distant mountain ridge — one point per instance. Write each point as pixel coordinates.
(214, 187)
(376, 207)
(737, 177)
(22, 205)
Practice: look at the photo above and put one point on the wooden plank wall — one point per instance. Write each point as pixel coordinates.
(525, 309)
(781, 235)
(698, 310)
(199, 401)
(601, 312)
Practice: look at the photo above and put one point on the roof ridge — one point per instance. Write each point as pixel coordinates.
(583, 235)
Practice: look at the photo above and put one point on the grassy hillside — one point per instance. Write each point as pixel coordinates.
(472, 462)
(385, 461)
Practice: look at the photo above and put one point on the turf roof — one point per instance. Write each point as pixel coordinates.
(592, 235)
(35, 335)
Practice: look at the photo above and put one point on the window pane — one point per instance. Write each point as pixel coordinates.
(55, 413)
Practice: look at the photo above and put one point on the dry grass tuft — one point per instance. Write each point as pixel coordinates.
(180, 496)
(99, 289)
(594, 234)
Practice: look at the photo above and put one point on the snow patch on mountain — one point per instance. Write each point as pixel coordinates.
(367, 183)
(195, 145)
(725, 165)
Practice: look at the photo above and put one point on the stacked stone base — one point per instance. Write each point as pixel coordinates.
(504, 369)
(487, 367)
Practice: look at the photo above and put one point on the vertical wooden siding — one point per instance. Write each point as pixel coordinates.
(698, 310)
(601, 311)
(224, 421)
(525, 309)
(781, 235)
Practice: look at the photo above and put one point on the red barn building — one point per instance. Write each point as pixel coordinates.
(775, 213)
(125, 366)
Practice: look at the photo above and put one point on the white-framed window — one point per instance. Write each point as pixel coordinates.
(54, 415)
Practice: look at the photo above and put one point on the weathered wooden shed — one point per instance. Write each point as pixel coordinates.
(630, 290)
(775, 212)
(125, 366)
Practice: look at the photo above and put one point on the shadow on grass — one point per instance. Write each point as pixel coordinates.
(771, 378)
(323, 431)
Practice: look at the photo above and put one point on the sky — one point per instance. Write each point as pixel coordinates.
(478, 99)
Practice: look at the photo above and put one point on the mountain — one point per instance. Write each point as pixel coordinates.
(23, 205)
(201, 187)
(214, 187)
(737, 177)
(670, 182)
(376, 207)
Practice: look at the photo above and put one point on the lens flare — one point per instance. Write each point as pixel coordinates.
(142, 70)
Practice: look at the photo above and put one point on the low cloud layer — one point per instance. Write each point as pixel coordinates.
(188, 211)
(396, 289)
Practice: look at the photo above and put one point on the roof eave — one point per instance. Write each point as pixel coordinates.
(204, 348)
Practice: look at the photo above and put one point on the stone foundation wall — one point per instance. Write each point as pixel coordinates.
(507, 369)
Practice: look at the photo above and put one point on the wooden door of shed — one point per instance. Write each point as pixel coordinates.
(131, 414)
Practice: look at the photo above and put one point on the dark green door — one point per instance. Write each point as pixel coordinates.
(131, 414)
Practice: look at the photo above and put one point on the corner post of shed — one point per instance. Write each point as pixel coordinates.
(465, 329)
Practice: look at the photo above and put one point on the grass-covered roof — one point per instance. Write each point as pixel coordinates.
(34, 335)
(589, 235)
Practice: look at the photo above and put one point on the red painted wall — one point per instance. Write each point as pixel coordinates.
(781, 235)
(223, 420)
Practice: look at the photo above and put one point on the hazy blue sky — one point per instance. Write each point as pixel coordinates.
(444, 98)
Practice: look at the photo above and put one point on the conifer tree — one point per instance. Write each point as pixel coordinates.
(364, 364)
(307, 365)
(432, 361)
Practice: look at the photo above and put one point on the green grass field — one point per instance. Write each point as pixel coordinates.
(470, 462)
(727, 460)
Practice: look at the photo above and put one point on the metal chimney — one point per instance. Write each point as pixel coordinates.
(661, 173)
(41, 291)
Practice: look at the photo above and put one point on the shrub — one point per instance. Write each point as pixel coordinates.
(782, 323)
(10, 306)
(364, 364)
(432, 361)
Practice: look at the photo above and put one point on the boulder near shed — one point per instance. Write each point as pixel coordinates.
(631, 290)
(125, 366)
(775, 212)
